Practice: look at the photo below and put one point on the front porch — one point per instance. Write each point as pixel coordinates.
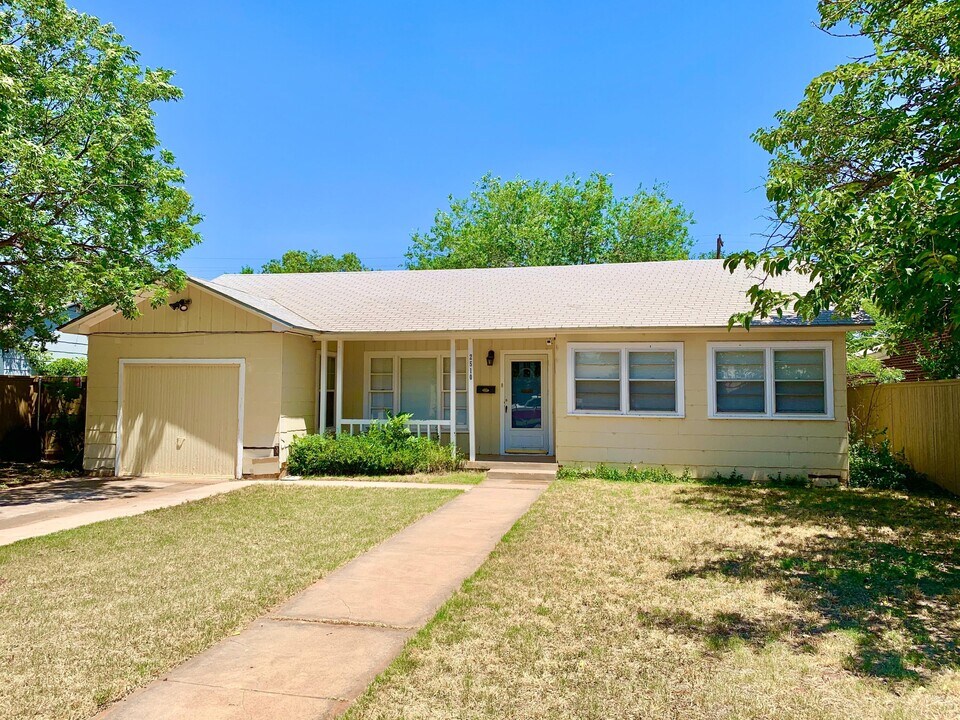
(500, 393)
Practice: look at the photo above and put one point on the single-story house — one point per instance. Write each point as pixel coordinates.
(621, 364)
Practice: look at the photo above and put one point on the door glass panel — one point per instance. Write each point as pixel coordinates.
(526, 399)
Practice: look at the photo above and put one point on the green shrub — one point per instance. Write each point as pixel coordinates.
(387, 448)
(873, 464)
(630, 474)
(734, 477)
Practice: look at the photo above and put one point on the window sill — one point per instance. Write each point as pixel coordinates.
(600, 413)
(755, 416)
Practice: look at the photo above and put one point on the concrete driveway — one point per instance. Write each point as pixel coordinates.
(46, 507)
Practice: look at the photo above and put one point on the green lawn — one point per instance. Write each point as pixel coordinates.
(89, 614)
(693, 601)
(460, 477)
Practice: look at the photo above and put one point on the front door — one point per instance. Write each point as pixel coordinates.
(526, 419)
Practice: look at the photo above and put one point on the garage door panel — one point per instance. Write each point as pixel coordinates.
(179, 419)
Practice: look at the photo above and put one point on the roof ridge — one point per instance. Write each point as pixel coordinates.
(475, 269)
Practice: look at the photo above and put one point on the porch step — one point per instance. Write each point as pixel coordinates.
(525, 474)
(510, 464)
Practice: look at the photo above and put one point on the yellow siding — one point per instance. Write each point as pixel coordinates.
(207, 313)
(756, 448)
(217, 329)
(179, 420)
(920, 418)
(297, 401)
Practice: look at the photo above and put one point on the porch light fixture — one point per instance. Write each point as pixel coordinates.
(183, 304)
(490, 357)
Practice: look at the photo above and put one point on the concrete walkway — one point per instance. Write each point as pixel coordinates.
(48, 507)
(314, 654)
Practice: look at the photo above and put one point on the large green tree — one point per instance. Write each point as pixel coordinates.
(533, 222)
(304, 261)
(863, 175)
(92, 210)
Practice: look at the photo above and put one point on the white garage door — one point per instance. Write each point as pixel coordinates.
(179, 419)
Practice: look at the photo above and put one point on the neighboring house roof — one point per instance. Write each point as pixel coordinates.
(681, 293)
(904, 358)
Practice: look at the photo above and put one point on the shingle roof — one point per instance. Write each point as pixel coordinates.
(682, 293)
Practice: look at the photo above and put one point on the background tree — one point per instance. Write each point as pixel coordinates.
(863, 174)
(533, 222)
(91, 209)
(302, 261)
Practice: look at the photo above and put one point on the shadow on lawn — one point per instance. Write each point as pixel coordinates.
(885, 568)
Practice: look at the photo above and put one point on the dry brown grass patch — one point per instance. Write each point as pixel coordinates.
(696, 601)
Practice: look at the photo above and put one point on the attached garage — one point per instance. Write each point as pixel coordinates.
(180, 417)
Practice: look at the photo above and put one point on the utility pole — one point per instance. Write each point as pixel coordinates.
(719, 246)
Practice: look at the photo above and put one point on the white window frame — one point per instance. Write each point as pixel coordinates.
(624, 349)
(769, 387)
(396, 356)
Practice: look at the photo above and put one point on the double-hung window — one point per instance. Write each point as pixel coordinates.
(643, 379)
(770, 380)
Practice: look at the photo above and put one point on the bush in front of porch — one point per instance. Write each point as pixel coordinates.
(387, 448)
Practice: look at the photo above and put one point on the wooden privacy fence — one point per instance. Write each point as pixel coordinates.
(41, 417)
(920, 418)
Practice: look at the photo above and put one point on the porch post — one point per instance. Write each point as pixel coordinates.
(322, 410)
(470, 402)
(338, 400)
(453, 397)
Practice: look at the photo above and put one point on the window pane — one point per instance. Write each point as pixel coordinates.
(801, 397)
(461, 407)
(653, 365)
(381, 365)
(740, 397)
(597, 365)
(653, 396)
(418, 387)
(739, 365)
(381, 382)
(331, 409)
(798, 364)
(598, 395)
(331, 372)
(381, 403)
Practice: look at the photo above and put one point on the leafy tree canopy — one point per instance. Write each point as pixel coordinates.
(863, 174)
(534, 222)
(60, 367)
(302, 261)
(92, 210)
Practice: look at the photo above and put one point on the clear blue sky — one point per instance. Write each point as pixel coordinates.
(343, 126)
